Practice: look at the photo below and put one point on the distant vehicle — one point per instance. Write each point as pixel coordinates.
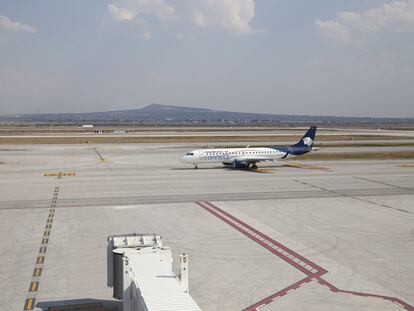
(249, 157)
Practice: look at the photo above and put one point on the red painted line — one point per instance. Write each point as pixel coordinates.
(362, 294)
(313, 273)
(329, 285)
(392, 299)
(260, 238)
(279, 294)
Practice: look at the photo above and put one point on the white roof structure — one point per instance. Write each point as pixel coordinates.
(159, 287)
(140, 270)
(165, 293)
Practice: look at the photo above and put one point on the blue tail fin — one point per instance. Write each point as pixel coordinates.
(307, 139)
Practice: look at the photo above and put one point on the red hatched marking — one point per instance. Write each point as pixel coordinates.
(312, 270)
(279, 294)
(288, 255)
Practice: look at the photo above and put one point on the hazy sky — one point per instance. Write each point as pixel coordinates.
(341, 57)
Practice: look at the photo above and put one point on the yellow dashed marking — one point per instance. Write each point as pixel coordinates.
(37, 271)
(29, 304)
(33, 286)
(60, 174)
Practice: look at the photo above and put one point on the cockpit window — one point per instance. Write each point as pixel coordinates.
(190, 154)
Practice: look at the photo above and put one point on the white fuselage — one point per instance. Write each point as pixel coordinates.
(228, 155)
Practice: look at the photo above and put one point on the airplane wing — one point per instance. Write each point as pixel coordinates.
(253, 159)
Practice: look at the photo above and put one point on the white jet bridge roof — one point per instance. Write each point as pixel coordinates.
(165, 293)
(158, 285)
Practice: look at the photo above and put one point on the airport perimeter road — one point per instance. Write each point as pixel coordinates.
(339, 234)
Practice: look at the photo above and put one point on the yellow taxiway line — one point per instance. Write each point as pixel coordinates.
(307, 167)
(407, 165)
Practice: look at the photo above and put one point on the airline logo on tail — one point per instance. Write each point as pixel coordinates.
(307, 141)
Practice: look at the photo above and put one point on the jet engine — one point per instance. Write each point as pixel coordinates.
(239, 164)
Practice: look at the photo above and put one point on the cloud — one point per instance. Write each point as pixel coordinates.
(159, 9)
(334, 31)
(8, 25)
(120, 13)
(231, 16)
(141, 15)
(128, 10)
(395, 15)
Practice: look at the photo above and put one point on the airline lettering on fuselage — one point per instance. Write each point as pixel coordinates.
(217, 156)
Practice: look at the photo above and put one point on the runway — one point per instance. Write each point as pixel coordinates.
(351, 221)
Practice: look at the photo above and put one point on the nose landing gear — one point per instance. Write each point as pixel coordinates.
(195, 165)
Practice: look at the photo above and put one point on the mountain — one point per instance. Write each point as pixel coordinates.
(165, 113)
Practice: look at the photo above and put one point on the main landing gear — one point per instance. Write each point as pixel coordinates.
(254, 166)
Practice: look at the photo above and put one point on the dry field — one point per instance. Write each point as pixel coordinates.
(118, 139)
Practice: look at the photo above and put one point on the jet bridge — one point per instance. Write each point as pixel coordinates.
(139, 269)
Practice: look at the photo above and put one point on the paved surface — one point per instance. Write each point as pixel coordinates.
(339, 235)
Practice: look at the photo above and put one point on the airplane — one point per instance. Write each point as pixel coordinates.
(249, 157)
